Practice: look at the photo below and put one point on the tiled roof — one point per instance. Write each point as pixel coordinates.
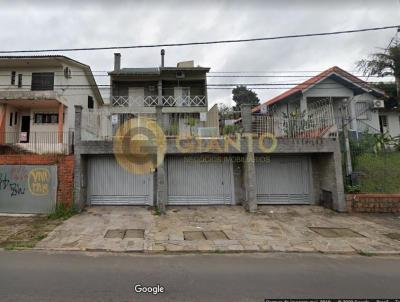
(308, 83)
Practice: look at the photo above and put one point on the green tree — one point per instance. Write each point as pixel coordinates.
(242, 95)
(384, 63)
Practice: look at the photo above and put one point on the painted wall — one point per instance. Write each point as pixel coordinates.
(393, 123)
(70, 95)
(28, 188)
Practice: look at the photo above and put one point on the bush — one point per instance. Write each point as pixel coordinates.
(379, 172)
(231, 129)
(62, 211)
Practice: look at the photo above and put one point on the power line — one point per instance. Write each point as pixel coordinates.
(205, 42)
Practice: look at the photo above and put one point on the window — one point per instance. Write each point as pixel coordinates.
(15, 118)
(90, 102)
(20, 80)
(13, 77)
(362, 111)
(383, 123)
(46, 118)
(42, 81)
(11, 119)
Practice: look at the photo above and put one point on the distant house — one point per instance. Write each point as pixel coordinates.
(37, 98)
(367, 109)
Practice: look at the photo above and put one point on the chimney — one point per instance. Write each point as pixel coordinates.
(117, 62)
(162, 57)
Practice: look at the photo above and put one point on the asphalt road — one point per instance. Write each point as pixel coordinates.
(42, 276)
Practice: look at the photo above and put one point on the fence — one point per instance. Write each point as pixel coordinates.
(294, 127)
(43, 142)
(317, 121)
(102, 124)
(376, 166)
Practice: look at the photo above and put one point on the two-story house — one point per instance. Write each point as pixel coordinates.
(37, 98)
(181, 91)
(337, 90)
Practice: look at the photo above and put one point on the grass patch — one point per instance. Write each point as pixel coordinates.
(63, 212)
(380, 173)
(25, 232)
(10, 246)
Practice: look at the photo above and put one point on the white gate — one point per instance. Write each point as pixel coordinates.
(198, 180)
(284, 180)
(110, 184)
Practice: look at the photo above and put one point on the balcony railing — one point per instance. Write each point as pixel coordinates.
(50, 142)
(150, 101)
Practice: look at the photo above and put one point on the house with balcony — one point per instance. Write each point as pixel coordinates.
(37, 97)
(181, 92)
(322, 103)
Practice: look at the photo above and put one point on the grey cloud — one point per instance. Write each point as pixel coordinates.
(55, 24)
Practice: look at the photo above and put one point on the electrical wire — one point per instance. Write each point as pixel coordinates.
(203, 43)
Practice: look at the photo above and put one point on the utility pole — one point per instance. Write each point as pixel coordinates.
(345, 122)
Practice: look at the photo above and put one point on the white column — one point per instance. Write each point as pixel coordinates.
(303, 104)
(353, 117)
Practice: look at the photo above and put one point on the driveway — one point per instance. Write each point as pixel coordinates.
(226, 229)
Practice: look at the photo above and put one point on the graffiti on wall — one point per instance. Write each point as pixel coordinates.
(27, 186)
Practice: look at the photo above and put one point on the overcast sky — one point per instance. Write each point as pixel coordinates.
(46, 24)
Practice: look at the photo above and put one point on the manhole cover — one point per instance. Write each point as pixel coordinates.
(215, 235)
(115, 234)
(395, 236)
(335, 232)
(193, 235)
(134, 233)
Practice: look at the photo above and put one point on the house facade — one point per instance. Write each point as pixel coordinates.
(337, 91)
(181, 91)
(37, 97)
(181, 158)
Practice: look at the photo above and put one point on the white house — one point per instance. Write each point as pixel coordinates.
(37, 98)
(365, 103)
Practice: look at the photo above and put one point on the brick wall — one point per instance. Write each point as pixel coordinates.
(373, 203)
(65, 170)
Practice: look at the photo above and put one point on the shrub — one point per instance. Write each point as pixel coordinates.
(62, 211)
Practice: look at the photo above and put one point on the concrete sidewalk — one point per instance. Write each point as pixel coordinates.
(226, 229)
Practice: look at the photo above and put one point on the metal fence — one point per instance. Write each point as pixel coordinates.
(294, 127)
(376, 166)
(40, 142)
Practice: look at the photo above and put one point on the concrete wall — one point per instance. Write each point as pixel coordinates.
(65, 168)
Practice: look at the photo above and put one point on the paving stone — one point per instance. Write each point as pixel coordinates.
(335, 232)
(193, 235)
(287, 230)
(215, 235)
(134, 233)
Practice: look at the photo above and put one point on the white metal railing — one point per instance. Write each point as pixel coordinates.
(294, 127)
(149, 101)
(39, 142)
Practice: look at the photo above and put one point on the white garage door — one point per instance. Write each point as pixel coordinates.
(110, 184)
(198, 181)
(284, 180)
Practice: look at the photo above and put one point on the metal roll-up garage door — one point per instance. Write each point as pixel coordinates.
(194, 181)
(110, 184)
(284, 180)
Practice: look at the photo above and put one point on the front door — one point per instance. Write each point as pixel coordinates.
(25, 128)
